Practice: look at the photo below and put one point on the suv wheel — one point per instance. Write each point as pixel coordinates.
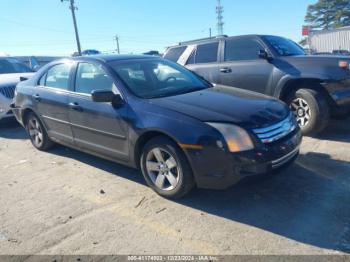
(37, 133)
(311, 110)
(166, 169)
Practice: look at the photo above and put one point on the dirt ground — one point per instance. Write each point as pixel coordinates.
(67, 202)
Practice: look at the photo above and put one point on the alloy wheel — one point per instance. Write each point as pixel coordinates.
(301, 111)
(35, 132)
(163, 169)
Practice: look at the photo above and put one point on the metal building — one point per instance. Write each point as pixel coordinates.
(330, 40)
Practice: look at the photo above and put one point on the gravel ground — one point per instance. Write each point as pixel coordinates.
(67, 202)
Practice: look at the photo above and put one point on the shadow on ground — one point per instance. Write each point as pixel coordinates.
(308, 203)
(11, 129)
(337, 130)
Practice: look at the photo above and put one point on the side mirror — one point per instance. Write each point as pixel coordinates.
(23, 78)
(264, 55)
(102, 96)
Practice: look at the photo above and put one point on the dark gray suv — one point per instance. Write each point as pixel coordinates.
(315, 87)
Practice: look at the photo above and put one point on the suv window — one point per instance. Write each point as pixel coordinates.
(92, 77)
(205, 53)
(58, 76)
(174, 53)
(242, 49)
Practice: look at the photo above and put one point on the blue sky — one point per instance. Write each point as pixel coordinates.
(44, 27)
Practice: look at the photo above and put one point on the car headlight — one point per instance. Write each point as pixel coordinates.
(237, 138)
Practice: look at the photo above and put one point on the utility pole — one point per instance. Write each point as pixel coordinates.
(73, 8)
(209, 32)
(117, 40)
(220, 22)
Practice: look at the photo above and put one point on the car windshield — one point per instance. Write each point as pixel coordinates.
(12, 66)
(283, 46)
(157, 78)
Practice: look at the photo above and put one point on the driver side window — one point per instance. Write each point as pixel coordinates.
(91, 77)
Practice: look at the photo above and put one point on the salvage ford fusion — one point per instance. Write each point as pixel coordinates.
(152, 114)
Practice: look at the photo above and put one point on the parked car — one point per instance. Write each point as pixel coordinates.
(341, 52)
(323, 53)
(153, 114)
(11, 71)
(87, 52)
(152, 52)
(36, 62)
(314, 87)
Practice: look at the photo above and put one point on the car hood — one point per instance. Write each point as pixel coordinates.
(13, 79)
(319, 59)
(227, 105)
(318, 66)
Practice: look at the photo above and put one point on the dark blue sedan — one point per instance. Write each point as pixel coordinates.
(152, 114)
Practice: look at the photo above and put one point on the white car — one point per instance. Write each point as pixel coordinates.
(11, 71)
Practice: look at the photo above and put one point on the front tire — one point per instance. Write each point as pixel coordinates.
(37, 133)
(166, 169)
(311, 110)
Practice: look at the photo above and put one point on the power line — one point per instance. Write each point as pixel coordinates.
(220, 21)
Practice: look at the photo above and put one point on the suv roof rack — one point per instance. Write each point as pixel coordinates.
(202, 40)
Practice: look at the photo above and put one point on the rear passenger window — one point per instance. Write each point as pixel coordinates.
(92, 77)
(242, 49)
(174, 53)
(58, 76)
(206, 53)
(191, 60)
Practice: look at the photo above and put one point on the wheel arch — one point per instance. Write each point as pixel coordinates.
(26, 113)
(147, 136)
(292, 85)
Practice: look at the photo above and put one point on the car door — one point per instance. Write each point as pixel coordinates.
(204, 61)
(241, 66)
(97, 127)
(50, 100)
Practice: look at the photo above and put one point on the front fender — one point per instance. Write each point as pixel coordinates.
(284, 81)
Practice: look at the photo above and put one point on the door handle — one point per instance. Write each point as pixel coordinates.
(75, 106)
(36, 97)
(226, 70)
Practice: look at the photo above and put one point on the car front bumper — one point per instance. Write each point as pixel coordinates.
(339, 92)
(218, 169)
(5, 109)
(342, 98)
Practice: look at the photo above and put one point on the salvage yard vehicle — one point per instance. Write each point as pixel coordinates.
(315, 87)
(149, 113)
(11, 72)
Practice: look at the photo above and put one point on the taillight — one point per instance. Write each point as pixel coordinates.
(344, 64)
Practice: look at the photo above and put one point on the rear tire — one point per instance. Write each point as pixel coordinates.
(166, 169)
(37, 133)
(311, 110)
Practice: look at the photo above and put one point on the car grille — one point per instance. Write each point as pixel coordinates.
(276, 131)
(8, 91)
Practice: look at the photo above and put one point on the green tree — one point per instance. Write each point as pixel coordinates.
(328, 14)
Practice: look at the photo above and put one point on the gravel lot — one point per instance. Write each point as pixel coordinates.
(67, 202)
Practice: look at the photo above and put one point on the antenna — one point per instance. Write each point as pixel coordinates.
(220, 22)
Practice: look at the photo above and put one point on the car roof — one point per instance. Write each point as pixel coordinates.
(109, 58)
(216, 39)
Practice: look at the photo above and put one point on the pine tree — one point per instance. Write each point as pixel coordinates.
(328, 14)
